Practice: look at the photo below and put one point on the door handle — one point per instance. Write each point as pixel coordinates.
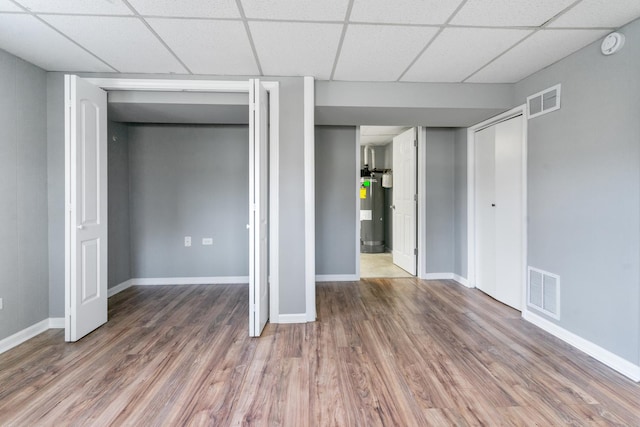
(248, 226)
(392, 206)
(493, 205)
(81, 227)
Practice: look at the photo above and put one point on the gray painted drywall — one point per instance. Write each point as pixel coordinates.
(291, 191)
(584, 193)
(23, 191)
(460, 203)
(189, 181)
(335, 200)
(118, 215)
(439, 192)
(55, 191)
(410, 104)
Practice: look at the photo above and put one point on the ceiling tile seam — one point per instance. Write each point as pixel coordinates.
(501, 55)
(541, 28)
(343, 34)
(157, 36)
(250, 37)
(430, 42)
(28, 12)
(106, 15)
(559, 14)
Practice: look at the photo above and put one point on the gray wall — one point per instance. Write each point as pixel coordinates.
(291, 173)
(119, 235)
(335, 164)
(409, 104)
(55, 191)
(439, 188)
(189, 180)
(584, 194)
(23, 192)
(460, 203)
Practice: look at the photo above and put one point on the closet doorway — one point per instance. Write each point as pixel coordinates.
(86, 199)
(497, 224)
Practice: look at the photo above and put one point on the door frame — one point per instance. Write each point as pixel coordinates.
(421, 205)
(238, 86)
(471, 194)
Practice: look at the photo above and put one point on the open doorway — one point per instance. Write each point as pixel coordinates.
(387, 196)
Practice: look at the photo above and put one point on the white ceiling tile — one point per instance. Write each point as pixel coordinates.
(599, 13)
(403, 11)
(303, 10)
(187, 8)
(208, 47)
(7, 6)
(94, 7)
(538, 51)
(125, 43)
(509, 13)
(35, 42)
(457, 52)
(296, 49)
(380, 52)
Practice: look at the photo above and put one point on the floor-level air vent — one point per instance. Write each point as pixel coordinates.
(543, 292)
(543, 102)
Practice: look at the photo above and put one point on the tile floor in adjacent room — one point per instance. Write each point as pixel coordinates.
(380, 265)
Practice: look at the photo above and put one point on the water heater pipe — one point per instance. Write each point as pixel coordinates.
(373, 158)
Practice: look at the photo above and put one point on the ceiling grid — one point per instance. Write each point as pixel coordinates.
(470, 41)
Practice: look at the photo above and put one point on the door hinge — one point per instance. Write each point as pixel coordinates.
(415, 251)
(252, 106)
(415, 142)
(253, 308)
(415, 197)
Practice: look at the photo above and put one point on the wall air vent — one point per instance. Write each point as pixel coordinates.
(543, 292)
(543, 102)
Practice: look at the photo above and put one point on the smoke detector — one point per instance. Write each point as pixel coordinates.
(612, 43)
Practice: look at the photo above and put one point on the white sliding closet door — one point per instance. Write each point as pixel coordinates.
(499, 210)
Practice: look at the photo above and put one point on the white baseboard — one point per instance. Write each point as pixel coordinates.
(119, 288)
(438, 276)
(613, 361)
(447, 276)
(290, 318)
(225, 280)
(462, 280)
(24, 335)
(56, 323)
(337, 278)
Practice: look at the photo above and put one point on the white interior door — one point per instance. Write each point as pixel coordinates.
(86, 212)
(499, 211)
(404, 200)
(485, 210)
(509, 215)
(258, 208)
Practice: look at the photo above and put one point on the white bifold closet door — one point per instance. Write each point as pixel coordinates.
(499, 211)
(258, 208)
(86, 207)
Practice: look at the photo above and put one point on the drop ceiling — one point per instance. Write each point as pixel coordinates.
(477, 41)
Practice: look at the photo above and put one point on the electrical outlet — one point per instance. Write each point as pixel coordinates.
(187, 241)
(207, 241)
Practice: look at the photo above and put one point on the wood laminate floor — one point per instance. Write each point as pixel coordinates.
(392, 352)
